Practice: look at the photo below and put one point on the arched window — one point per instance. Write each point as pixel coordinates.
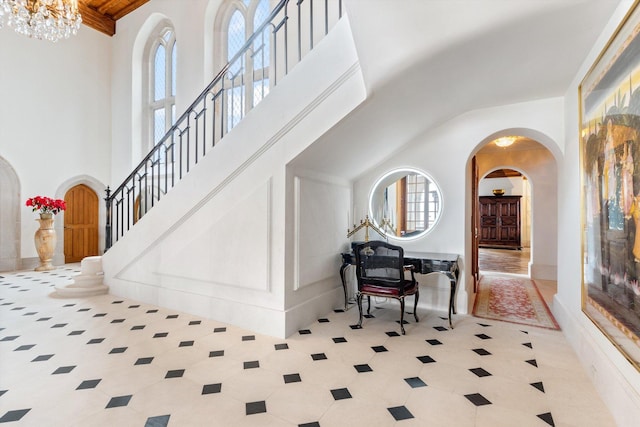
(161, 99)
(248, 77)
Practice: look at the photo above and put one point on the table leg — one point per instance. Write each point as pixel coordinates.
(343, 267)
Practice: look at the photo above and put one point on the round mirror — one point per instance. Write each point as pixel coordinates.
(405, 203)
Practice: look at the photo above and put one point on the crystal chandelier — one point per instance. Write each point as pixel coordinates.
(41, 19)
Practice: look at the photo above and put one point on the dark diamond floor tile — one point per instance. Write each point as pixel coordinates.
(532, 362)
(252, 364)
(185, 344)
(176, 373)
(477, 399)
(152, 311)
(195, 322)
(525, 332)
(118, 401)
(323, 320)
(95, 341)
(218, 330)
(355, 326)
(426, 359)
(3, 392)
(547, 418)
(379, 349)
(83, 309)
(369, 316)
(319, 356)
(284, 346)
(400, 413)
(172, 316)
(363, 368)
(341, 393)
(63, 370)
(415, 382)
(392, 334)
(43, 319)
(42, 358)
(539, 386)
(211, 388)
(15, 415)
(527, 344)
(161, 335)
(59, 325)
(68, 305)
(134, 306)
(483, 336)
(440, 328)
(339, 340)
(88, 384)
(484, 325)
(338, 310)
(143, 361)
(117, 320)
(434, 342)
(118, 350)
(31, 313)
(117, 302)
(481, 351)
(304, 331)
(292, 378)
(216, 353)
(73, 333)
(256, 407)
(480, 372)
(248, 338)
(100, 315)
(312, 424)
(158, 421)
(25, 347)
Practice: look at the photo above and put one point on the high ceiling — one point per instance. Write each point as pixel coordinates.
(102, 15)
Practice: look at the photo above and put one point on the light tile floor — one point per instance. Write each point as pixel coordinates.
(108, 361)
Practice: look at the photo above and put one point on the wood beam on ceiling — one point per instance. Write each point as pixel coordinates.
(102, 15)
(96, 20)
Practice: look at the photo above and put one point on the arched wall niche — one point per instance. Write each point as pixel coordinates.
(9, 218)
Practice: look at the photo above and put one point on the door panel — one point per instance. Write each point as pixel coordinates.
(80, 224)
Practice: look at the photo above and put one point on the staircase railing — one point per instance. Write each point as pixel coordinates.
(267, 56)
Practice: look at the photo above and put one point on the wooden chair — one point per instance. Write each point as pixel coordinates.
(380, 272)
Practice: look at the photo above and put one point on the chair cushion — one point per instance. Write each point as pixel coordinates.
(408, 288)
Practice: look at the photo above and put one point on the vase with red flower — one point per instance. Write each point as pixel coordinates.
(45, 238)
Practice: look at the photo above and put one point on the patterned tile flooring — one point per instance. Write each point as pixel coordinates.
(107, 361)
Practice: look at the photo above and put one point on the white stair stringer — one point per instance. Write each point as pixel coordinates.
(219, 244)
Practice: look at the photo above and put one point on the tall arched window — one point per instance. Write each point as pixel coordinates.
(248, 77)
(162, 84)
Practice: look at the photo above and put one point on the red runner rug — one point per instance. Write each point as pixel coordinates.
(512, 299)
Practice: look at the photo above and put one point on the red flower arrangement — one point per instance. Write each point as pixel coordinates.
(46, 204)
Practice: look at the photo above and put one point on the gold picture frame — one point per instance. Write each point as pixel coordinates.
(609, 102)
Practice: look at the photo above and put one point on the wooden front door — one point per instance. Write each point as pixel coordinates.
(80, 224)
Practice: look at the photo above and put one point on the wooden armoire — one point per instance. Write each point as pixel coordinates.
(499, 222)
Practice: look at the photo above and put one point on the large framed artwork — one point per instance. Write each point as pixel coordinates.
(610, 168)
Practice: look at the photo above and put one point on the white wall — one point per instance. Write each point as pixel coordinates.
(55, 118)
(444, 153)
(617, 381)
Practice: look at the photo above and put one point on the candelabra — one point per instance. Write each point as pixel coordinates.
(366, 223)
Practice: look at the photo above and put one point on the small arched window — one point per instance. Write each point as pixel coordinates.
(248, 77)
(162, 85)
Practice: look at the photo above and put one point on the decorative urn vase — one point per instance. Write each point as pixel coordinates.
(45, 240)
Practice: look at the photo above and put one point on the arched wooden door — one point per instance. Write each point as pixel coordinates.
(80, 224)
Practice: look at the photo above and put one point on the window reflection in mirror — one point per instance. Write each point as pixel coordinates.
(405, 203)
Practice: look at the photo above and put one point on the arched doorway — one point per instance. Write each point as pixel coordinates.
(80, 224)
(9, 218)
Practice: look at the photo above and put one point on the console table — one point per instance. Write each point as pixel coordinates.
(424, 263)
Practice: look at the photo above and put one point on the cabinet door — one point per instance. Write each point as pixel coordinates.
(509, 221)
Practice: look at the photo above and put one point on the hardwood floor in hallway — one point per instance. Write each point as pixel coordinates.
(504, 260)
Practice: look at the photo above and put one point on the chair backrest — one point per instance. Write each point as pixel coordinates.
(379, 263)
